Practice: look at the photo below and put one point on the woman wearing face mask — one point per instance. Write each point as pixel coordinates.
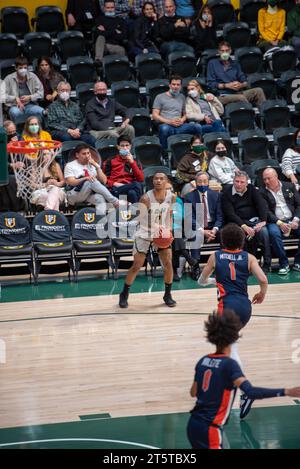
(195, 160)
(221, 167)
(203, 31)
(204, 108)
(145, 30)
(291, 161)
(271, 26)
(33, 131)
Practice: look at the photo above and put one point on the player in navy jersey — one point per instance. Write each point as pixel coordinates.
(217, 377)
(232, 268)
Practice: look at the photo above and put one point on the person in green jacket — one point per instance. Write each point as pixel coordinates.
(293, 25)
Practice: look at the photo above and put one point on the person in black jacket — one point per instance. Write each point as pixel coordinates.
(203, 31)
(283, 202)
(100, 113)
(145, 30)
(243, 204)
(174, 32)
(112, 32)
(81, 14)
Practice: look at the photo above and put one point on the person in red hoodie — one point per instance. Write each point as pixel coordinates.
(124, 174)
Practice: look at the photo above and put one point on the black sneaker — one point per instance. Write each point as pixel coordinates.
(123, 303)
(195, 272)
(245, 405)
(266, 269)
(169, 301)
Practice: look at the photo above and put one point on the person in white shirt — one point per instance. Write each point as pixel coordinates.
(283, 216)
(221, 167)
(87, 180)
(291, 160)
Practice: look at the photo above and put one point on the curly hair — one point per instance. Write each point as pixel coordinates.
(232, 237)
(222, 329)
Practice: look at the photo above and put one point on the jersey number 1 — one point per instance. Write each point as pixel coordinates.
(232, 271)
(206, 380)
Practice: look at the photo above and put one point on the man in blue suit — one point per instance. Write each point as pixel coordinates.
(211, 211)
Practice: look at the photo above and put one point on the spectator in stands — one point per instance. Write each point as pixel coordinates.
(211, 217)
(291, 161)
(293, 26)
(203, 108)
(145, 30)
(174, 31)
(283, 202)
(243, 204)
(49, 78)
(271, 26)
(169, 111)
(100, 113)
(124, 174)
(194, 161)
(221, 167)
(50, 194)
(33, 131)
(122, 8)
(65, 119)
(185, 9)
(203, 31)
(81, 14)
(87, 181)
(22, 91)
(8, 193)
(226, 76)
(137, 7)
(112, 32)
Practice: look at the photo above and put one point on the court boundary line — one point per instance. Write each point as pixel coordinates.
(141, 445)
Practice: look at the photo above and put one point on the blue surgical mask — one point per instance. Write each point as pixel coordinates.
(298, 142)
(123, 152)
(174, 93)
(202, 188)
(110, 13)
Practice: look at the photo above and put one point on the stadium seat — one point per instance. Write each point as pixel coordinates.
(155, 87)
(81, 70)
(107, 148)
(211, 139)
(250, 59)
(71, 44)
(51, 236)
(283, 139)
(257, 168)
(265, 81)
(282, 61)
(274, 114)
(15, 241)
(182, 63)
(49, 19)
(37, 45)
(178, 145)
(222, 11)
(9, 47)
(237, 34)
(148, 150)
(149, 66)
(126, 93)
(249, 11)
(7, 66)
(87, 244)
(141, 121)
(116, 68)
(239, 116)
(15, 20)
(287, 84)
(254, 145)
(84, 92)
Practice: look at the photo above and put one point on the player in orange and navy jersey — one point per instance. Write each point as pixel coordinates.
(217, 376)
(232, 268)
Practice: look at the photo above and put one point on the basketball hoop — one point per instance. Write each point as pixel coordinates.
(30, 160)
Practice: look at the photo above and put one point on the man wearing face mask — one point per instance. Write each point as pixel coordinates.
(212, 218)
(293, 25)
(22, 91)
(124, 174)
(112, 32)
(100, 113)
(65, 119)
(169, 112)
(271, 26)
(225, 75)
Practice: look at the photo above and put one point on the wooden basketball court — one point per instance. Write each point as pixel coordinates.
(67, 357)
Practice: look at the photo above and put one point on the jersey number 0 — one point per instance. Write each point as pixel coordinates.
(206, 380)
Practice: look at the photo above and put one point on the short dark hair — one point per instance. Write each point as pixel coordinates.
(81, 146)
(123, 139)
(224, 43)
(232, 237)
(295, 146)
(21, 60)
(196, 137)
(222, 329)
(175, 77)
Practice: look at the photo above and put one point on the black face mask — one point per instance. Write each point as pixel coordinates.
(101, 96)
(221, 153)
(11, 136)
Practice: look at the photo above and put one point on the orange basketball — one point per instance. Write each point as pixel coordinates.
(164, 238)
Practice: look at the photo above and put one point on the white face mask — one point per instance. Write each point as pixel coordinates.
(64, 96)
(193, 93)
(22, 72)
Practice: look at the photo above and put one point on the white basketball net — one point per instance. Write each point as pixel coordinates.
(29, 168)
